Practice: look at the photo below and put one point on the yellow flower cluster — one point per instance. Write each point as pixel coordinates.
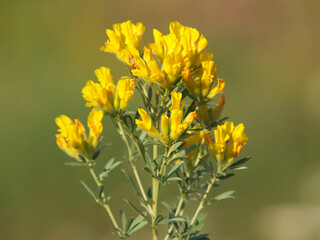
(226, 153)
(171, 128)
(72, 137)
(106, 95)
(177, 57)
(124, 40)
(181, 49)
(200, 82)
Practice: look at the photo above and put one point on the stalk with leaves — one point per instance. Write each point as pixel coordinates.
(178, 133)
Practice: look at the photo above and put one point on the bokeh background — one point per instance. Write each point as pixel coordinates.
(268, 53)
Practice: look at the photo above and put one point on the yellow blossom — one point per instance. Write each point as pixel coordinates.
(177, 51)
(172, 128)
(146, 124)
(72, 137)
(125, 90)
(105, 95)
(238, 140)
(123, 39)
(226, 154)
(200, 82)
(95, 126)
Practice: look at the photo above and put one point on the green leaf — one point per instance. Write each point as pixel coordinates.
(240, 168)
(174, 179)
(184, 152)
(173, 220)
(137, 210)
(201, 237)
(82, 158)
(150, 164)
(137, 226)
(158, 160)
(226, 176)
(75, 164)
(96, 155)
(158, 219)
(123, 218)
(141, 147)
(128, 225)
(224, 195)
(88, 189)
(110, 165)
(175, 168)
(239, 162)
(132, 182)
(150, 94)
(175, 147)
(99, 192)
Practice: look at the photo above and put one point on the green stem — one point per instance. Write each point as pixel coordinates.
(134, 169)
(155, 195)
(204, 198)
(176, 214)
(104, 204)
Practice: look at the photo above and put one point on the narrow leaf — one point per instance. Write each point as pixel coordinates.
(224, 195)
(173, 220)
(137, 210)
(175, 168)
(75, 164)
(88, 189)
(239, 162)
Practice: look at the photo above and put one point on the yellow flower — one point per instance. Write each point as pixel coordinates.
(208, 116)
(177, 51)
(176, 127)
(123, 39)
(146, 124)
(172, 128)
(95, 128)
(195, 138)
(200, 82)
(238, 140)
(125, 90)
(183, 41)
(72, 137)
(224, 154)
(105, 95)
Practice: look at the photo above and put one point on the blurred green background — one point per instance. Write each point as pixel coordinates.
(267, 52)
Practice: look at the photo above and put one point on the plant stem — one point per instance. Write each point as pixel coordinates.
(134, 169)
(204, 198)
(104, 204)
(176, 214)
(155, 195)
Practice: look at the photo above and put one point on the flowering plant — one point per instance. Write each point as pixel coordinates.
(171, 133)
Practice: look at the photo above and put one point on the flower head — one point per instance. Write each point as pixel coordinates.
(106, 95)
(72, 137)
(226, 153)
(171, 128)
(124, 40)
(175, 52)
(200, 81)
